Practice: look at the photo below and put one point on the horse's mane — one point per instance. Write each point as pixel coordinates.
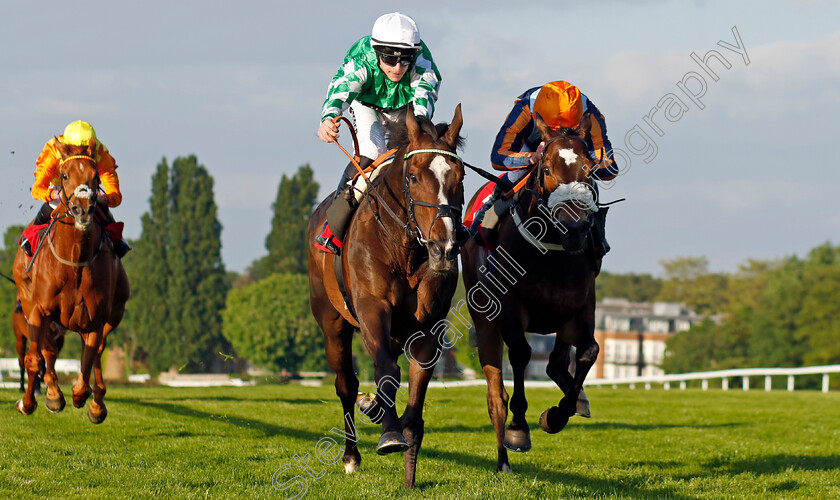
(398, 132)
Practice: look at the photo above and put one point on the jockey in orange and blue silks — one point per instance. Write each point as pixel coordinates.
(45, 188)
(559, 104)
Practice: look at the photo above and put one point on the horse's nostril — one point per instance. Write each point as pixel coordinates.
(453, 251)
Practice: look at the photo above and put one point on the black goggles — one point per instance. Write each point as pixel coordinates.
(392, 60)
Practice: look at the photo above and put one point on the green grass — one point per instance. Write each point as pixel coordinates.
(227, 442)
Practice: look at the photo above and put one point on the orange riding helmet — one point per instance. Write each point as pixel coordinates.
(559, 105)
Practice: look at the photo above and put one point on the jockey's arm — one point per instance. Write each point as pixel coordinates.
(509, 149)
(46, 168)
(108, 178)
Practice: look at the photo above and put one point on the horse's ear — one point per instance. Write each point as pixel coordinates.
(545, 130)
(585, 127)
(451, 136)
(62, 148)
(92, 147)
(412, 127)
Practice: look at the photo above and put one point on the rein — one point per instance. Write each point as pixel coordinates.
(69, 212)
(70, 262)
(450, 211)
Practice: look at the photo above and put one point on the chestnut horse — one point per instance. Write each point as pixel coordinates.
(54, 342)
(401, 269)
(541, 276)
(76, 280)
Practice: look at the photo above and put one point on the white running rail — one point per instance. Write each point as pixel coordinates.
(682, 378)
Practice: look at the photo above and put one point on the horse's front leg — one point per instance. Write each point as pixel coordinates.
(92, 343)
(55, 398)
(97, 411)
(422, 361)
(554, 419)
(561, 370)
(491, 353)
(338, 343)
(375, 320)
(38, 330)
(518, 433)
(20, 346)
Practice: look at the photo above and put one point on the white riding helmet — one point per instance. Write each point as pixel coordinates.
(395, 30)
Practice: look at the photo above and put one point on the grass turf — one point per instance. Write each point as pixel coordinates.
(228, 442)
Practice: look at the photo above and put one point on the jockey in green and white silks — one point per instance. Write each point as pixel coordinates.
(381, 75)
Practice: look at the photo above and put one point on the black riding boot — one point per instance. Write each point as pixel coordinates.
(121, 247)
(340, 212)
(43, 216)
(599, 237)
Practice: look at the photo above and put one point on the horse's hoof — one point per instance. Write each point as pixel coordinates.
(504, 468)
(518, 440)
(80, 400)
(37, 392)
(55, 405)
(552, 420)
(391, 442)
(19, 406)
(582, 408)
(97, 419)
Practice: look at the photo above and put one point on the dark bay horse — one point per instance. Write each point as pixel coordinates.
(542, 278)
(401, 269)
(75, 280)
(54, 342)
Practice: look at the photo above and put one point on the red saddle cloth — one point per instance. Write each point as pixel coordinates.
(32, 233)
(482, 234)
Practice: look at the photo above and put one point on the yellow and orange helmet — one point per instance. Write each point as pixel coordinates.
(559, 105)
(78, 133)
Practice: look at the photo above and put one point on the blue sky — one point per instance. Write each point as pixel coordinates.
(241, 85)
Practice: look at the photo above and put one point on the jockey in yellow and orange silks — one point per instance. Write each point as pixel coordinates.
(45, 188)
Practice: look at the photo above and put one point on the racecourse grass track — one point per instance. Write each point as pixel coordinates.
(227, 442)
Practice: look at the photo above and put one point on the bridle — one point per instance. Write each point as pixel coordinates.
(451, 211)
(71, 209)
(542, 197)
(74, 210)
(410, 226)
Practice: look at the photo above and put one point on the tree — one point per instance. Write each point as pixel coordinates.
(270, 324)
(147, 313)
(286, 242)
(633, 287)
(687, 280)
(196, 284)
(181, 281)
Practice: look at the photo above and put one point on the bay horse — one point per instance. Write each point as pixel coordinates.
(77, 281)
(400, 263)
(54, 341)
(541, 276)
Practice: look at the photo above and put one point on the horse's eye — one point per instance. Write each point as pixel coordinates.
(63, 176)
(546, 171)
(413, 178)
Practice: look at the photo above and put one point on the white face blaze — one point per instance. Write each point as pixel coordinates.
(440, 168)
(569, 156)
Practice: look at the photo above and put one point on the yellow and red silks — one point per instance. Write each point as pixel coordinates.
(47, 168)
